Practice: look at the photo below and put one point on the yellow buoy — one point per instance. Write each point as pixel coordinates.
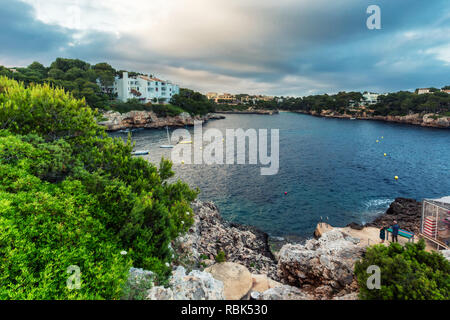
(385, 154)
(396, 177)
(378, 141)
(182, 161)
(382, 137)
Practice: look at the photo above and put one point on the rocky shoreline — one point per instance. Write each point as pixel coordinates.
(114, 121)
(408, 213)
(320, 269)
(423, 120)
(259, 111)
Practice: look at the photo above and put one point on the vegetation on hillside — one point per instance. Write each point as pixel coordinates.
(161, 110)
(193, 102)
(404, 102)
(72, 196)
(407, 273)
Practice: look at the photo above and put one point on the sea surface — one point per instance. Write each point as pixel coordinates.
(331, 169)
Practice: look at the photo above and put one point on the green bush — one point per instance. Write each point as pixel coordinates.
(71, 195)
(407, 273)
(220, 257)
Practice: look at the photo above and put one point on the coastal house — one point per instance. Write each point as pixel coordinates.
(145, 88)
(423, 90)
(226, 98)
(370, 98)
(211, 95)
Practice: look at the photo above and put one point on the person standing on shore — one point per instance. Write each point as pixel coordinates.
(382, 234)
(395, 229)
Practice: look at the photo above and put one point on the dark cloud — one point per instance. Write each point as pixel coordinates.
(22, 37)
(280, 47)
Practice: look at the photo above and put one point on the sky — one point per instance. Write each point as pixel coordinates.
(272, 47)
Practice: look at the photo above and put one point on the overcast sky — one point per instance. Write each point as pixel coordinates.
(273, 47)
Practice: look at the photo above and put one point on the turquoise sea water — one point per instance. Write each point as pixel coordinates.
(329, 168)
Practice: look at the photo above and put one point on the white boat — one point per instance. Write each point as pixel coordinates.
(140, 152)
(167, 146)
(352, 118)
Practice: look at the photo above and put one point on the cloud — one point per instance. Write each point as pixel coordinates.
(283, 47)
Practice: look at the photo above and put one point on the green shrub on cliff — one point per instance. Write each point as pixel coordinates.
(71, 195)
(407, 273)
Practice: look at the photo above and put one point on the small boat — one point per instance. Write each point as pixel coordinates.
(167, 146)
(140, 152)
(352, 118)
(185, 142)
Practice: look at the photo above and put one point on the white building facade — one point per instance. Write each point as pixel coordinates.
(144, 88)
(370, 98)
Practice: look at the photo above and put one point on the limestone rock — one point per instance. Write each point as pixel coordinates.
(262, 283)
(210, 234)
(113, 120)
(237, 280)
(446, 254)
(283, 292)
(321, 228)
(325, 265)
(197, 285)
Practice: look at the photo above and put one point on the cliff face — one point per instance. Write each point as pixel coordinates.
(210, 234)
(427, 120)
(323, 267)
(148, 119)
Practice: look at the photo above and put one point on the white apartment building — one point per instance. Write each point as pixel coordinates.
(144, 88)
(370, 98)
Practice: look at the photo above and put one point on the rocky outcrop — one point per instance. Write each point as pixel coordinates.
(321, 228)
(424, 120)
(263, 283)
(446, 254)
(355, 226)
(252, 111)
(210, 234)
(283, 292)
(237, 280)
(323, 267)
(407, 212)
(114, 121)
(197, 285)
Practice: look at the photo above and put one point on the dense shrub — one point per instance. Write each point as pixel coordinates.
(71, 195)
(193, 102)
(161, 110)
(407, 273)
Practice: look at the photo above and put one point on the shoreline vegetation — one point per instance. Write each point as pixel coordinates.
(88, 82)
(424, 120)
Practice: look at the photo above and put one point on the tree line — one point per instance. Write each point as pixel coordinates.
(80, 78)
